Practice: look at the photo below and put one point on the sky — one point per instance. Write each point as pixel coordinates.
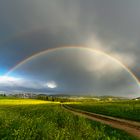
(31, 26)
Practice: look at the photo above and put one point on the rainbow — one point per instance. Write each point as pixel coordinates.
(81, 47)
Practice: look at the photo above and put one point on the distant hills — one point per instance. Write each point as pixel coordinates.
(79, 97)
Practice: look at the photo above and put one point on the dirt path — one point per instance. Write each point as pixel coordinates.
(130, 127)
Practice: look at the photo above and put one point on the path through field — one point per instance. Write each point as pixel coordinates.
(131, 127)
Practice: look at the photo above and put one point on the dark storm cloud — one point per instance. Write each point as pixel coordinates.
(27, 44)
(31, 26)
(58, 22)
(78, 71)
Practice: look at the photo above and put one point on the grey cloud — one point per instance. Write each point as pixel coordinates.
(30, 26)
(68, 68)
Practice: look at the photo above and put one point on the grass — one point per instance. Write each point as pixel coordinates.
(24, 102)
(122, 109)
(24, 119)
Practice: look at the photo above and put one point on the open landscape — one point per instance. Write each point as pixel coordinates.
(34, 119)
(69, 69)
(128, 109)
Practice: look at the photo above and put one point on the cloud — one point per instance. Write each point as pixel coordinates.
(78, 71)
(108, 26)
(50, 84)
(10, 81)
(127, 58)
(15, 82)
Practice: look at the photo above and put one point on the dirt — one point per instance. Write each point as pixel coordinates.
(131, 127)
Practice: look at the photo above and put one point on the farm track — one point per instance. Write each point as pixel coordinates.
(131, 127)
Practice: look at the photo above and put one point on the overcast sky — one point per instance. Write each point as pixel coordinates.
(31, 26)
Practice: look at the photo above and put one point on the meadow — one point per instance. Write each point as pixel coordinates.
(27, 119)
(129, 109)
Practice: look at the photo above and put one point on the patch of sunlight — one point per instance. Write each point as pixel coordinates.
(71, 103)
(24, 102)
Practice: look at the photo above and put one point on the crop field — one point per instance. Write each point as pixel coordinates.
(121, 109)
(24, 119)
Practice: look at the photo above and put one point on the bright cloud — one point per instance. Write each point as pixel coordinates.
(25, 83)
(8, 80)
(128, 59)
(50, 84)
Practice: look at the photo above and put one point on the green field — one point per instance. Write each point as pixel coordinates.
(24, 119)
(121, 109)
